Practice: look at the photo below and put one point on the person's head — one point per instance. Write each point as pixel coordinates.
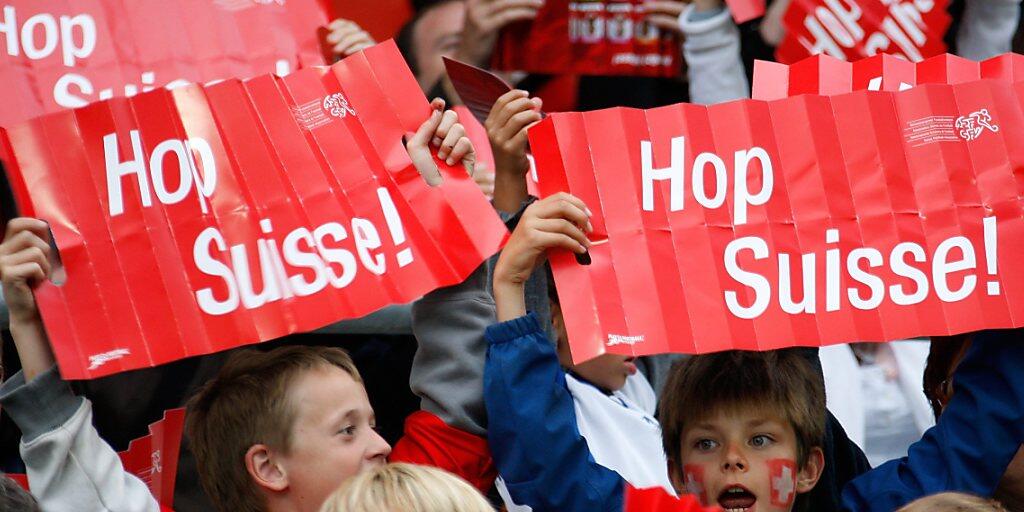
(606, 371)
(434, 32)
(406, 488)
(15, 499)
(282, 429)
(953, 502)
(741, 428)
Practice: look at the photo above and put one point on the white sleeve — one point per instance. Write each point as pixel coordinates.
(712, 52)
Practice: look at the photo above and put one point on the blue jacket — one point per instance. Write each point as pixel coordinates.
(974, 440)
(532, 428)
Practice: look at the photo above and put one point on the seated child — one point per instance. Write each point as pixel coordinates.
(406, 488)
(953, 502)
(561, 433)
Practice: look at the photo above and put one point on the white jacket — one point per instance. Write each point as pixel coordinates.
(70, 468)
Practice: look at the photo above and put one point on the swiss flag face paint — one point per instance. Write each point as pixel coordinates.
(782, 481)
(693, 479)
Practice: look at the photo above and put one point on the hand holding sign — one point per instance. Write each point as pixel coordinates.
(560, 221)
(511, 116)
(24, 263)
(484, 19)
(443, 131)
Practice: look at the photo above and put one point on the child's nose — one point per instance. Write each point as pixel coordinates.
(734, 459)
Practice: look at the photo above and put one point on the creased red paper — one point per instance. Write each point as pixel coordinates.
(205, 218)
(852, 29)
(822, 74)
(810, 220)
(61, 54)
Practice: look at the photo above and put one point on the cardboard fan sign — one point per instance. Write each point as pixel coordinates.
(59, 54)
(804, 221)
(822, 74)
(589, 38)
(153, 458)
(204, 218)
(852, 29)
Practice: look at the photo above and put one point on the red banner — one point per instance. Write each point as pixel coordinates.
(204, 218)
(657, 500)
(153, 458)
(851, 29)
(822, 74)
(59, 54)
(592, 37)
(810, 220)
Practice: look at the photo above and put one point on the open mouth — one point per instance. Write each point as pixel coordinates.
(736, 499)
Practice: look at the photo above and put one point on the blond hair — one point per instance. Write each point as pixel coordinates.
(953, 502)
(406, 488)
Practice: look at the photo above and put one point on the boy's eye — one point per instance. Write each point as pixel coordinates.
(348, 431)
(760, 441)
(705, 445)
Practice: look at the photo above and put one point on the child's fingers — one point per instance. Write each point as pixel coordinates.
(547, 240)
(353, 43)
(15, 265)
(31, 272)
(519, 121)
(39, 227)
(463, 148)
(449, 139)
(426, 131)
(567, 207)
(24, 240)
(564, 227)
(516, 106)
(499, 105)
(448, 120)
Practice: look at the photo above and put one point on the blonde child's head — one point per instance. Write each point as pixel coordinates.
(953, 502)
(406, 488)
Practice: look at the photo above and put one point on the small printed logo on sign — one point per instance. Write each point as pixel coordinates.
(337, 105)
(618, 339)
(972, 126)
(99, 360)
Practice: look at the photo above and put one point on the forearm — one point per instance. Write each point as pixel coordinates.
(509, 189)
(32, 344)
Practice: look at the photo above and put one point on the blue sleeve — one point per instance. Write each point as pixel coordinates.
(974, 440)
(532, 430)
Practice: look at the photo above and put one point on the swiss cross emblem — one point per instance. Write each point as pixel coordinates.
(337, 105)
(783, 484)
(972, 126)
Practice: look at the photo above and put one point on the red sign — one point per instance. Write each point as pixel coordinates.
(153, 458)
(657, 500)
(804, 221)
(745, 10)
(822, 74)
(851, 29)
(59, 54)
(592, 37)
(204, 218)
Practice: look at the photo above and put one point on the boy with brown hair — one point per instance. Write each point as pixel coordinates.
(745, 429)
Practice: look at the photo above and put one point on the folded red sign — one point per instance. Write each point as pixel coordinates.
(62, 54)
(204, 218)
(851, 29)
(599, 37)
(153, 458)
(808, 221)
(822, 74)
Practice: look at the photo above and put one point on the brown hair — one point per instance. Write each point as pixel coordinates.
(244, 405)
(406, 488)
(784, 380)
(953, 502)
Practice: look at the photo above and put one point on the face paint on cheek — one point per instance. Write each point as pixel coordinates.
(693, 479)
(782, 481)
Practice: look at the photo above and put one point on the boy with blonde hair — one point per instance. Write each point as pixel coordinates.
(406, 488)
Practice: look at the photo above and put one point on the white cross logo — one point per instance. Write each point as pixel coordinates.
(783, 484)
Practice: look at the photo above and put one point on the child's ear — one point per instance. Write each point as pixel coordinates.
(264, 470)
(808, 476)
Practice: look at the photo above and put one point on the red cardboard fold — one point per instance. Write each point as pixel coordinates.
(803, 221)
(208, 217)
